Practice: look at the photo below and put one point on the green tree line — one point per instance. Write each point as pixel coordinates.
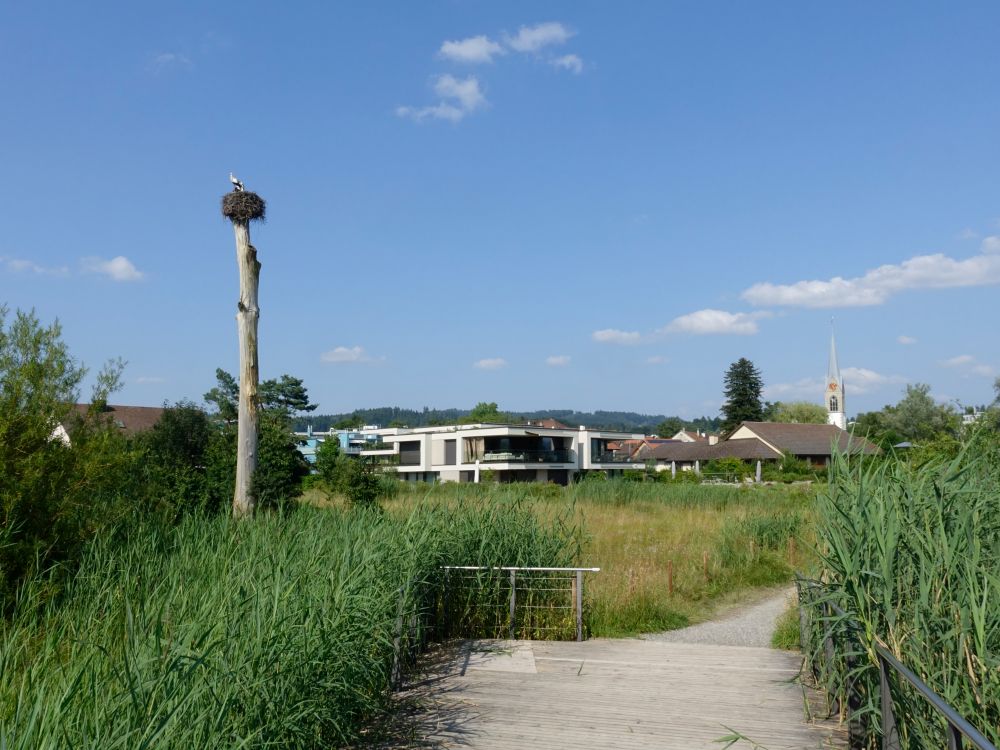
(69, 474)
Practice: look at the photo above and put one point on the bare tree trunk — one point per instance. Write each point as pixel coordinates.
(247, 315)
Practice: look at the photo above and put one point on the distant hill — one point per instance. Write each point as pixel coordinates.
(385, 416)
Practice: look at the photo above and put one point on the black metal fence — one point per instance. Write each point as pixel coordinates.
(867, 684)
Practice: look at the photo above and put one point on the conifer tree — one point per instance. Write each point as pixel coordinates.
(743, 387)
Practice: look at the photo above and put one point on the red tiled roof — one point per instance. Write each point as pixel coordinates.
(130, 419)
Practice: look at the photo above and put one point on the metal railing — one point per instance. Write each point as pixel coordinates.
(487, 598)
(528, 456)
(958, 729)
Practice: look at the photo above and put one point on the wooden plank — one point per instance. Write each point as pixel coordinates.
(629, 694)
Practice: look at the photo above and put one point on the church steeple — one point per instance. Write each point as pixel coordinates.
(836, 411)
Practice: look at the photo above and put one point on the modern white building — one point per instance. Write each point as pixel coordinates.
(512, 453)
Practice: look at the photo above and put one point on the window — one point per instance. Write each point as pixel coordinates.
(834, 404)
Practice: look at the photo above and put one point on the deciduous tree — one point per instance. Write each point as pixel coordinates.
(918, 417)
(799, 412)
(669, 427)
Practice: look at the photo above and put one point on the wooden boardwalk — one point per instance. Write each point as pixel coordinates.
(627, 694)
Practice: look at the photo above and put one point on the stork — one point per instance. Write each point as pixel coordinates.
(237, 185)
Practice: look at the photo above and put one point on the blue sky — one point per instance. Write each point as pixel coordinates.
(550, 205)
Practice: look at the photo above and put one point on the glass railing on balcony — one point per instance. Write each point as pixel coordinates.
(614, 458)
(527, 456)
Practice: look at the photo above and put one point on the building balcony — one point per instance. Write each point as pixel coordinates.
(527, 457)
(613, 458)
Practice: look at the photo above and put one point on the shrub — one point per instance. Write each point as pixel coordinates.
(790, 468)
(281, 466)
(729, 467)
(54, 496)
(176, 461)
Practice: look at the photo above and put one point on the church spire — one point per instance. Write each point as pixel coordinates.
(836, 411)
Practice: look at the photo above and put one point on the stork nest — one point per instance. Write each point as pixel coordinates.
(242, 206)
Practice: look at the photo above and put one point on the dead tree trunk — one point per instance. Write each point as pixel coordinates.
(241, 207)
(247, 316)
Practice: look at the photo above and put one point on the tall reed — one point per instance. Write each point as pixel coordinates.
(278, 632)
(913, 555)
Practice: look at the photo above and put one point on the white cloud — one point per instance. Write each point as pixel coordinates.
(920, 272)
(614, 336)
(466, 91)
(144, 379)
(475, 49)
(969, 365)
(19, 265)
(711, 321)
(442, 111)
(960, 361)
(459, 97)
(491, 363)
(656, 359)
(170, 60)
(858, 381)
(806, 388)
(991, 244)
(906, 340)
(557, 360)
(572, 63)
(534, 38)
(341, 355)
(968, 234)
(118, 268)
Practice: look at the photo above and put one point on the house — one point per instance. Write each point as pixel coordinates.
(760, 441)
(130, 420)
(513, 453)
(681, 456)
(689, 436)
(810, 442)
(768, 441)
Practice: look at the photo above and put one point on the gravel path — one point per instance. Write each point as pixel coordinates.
(751, 625)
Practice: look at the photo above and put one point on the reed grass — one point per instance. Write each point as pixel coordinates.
(278, 632)
(913, 554)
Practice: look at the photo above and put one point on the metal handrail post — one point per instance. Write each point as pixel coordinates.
(446, 624)
(513, 601)
(890, 734)
(579, 605)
